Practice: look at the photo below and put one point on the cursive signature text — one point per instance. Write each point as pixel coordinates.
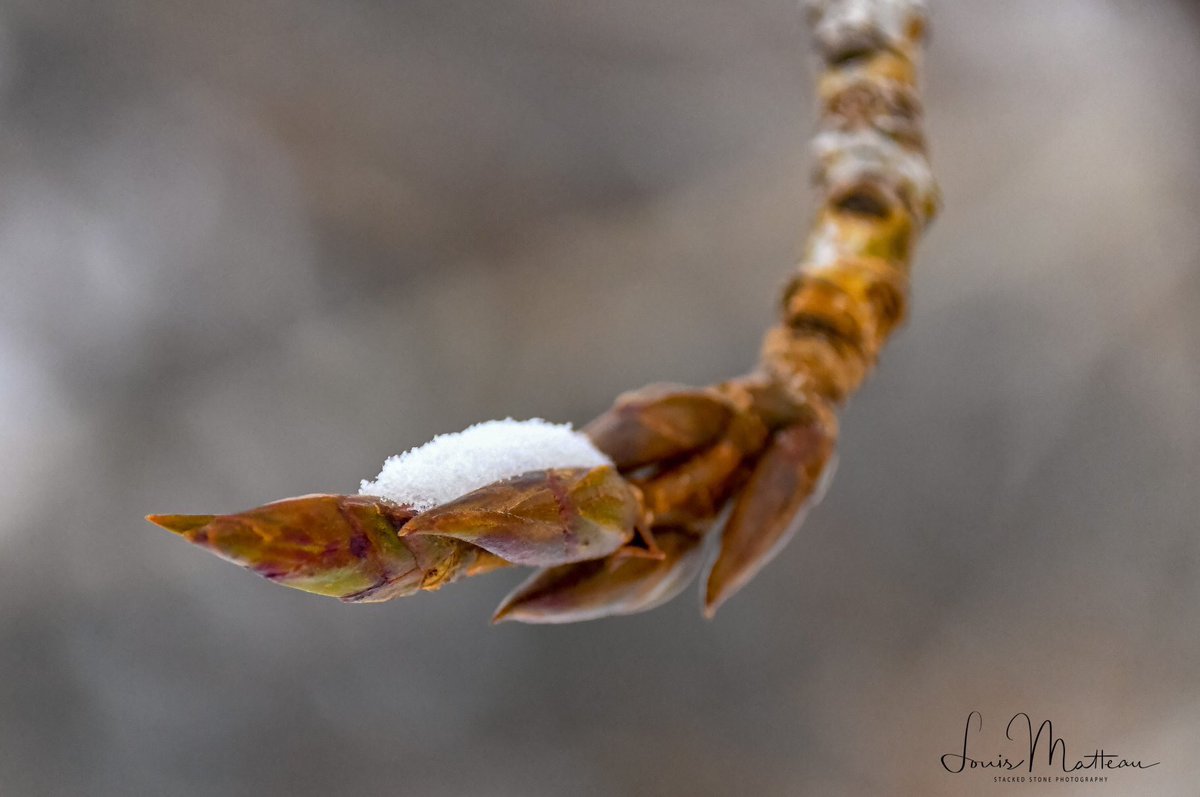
(1033, 747)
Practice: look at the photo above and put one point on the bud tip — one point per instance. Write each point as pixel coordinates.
(181, 524)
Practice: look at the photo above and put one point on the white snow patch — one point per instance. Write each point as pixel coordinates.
(452, 465)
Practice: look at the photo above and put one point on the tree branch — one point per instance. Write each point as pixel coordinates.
(755, 452)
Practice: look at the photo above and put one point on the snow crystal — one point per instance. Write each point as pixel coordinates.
(451, 465)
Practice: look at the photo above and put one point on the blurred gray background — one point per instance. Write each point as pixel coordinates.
(250, 249)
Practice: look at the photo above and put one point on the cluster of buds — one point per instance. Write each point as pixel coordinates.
(738, 464)
(606, 540)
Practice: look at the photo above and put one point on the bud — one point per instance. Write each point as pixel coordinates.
(345, 546)
(657, 423)
(616, 585)
(787, 481)
(541, 518)
(695, 490)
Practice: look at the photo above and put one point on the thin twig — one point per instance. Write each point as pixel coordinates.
(744, 459)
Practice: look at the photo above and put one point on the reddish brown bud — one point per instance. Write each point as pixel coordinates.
(345, 546)
(659, 422)
(695, 490)
(617, 585)
(786, 482)
(542, 518)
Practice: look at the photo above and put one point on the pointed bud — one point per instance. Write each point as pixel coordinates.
(617, 585)
(787, 481)
(343, 546)
(657, 423)
(181, 524)
(541, 518)
(696, 489)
